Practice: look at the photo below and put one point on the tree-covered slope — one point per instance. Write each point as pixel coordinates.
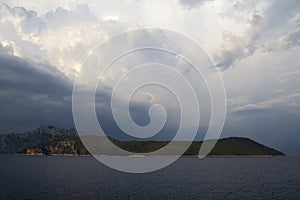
(233, 146)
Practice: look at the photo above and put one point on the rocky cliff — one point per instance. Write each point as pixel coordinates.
(58, 145)
(15, 142)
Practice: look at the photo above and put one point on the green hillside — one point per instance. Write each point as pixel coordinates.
(72, 145)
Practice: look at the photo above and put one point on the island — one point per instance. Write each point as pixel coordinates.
(49, 140)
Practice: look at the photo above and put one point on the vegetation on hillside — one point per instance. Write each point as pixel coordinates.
(233, 146)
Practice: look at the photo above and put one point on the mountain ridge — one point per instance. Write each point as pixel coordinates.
(14, 142)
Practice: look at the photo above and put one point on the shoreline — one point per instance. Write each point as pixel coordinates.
(160, 156)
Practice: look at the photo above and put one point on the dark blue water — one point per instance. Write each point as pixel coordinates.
(53, 177)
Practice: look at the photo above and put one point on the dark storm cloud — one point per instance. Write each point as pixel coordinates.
(18, 74)
(32, 94)
(139, 112)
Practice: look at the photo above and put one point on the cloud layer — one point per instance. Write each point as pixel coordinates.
(254, 43)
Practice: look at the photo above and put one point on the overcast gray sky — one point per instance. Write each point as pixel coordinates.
(255, 44)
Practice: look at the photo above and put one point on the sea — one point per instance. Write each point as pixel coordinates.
(77, 178)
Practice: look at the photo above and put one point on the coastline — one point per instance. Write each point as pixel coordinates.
(160, 156)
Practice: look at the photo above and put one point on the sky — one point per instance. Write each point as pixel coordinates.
(254, 44)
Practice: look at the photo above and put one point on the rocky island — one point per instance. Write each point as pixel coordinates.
(49, 140)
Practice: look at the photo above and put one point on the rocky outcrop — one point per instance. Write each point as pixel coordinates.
(60, 148)
(58, 145)
(34, 152)
(16, 142)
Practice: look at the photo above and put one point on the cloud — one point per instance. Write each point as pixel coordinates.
(236, 47)
(6, 49)
(190, 4)
(32, 77)
(32, 94)
(282, 26)
(291, 101)
(286, 42)
(285, 77)
(62, 37)
(37, 93)
(279, 13)
(273, 26)
(42, 46)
